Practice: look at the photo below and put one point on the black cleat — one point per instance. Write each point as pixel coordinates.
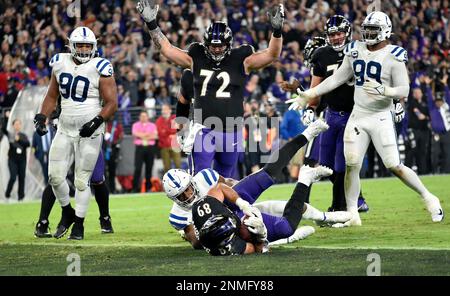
(105, 225)
(77, 232)
(65, 223)
(42, 230)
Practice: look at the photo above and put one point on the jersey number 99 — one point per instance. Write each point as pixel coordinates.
(68, 86)
(372, 70)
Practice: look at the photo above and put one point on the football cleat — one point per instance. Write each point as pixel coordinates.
(64, 224)
(354, 221)
(315, 128)
(105, 225)
(362, 205)
(434, 207)
(77, 232)
(310, 175)
(330, 218)
(301, 233)
(42, 230)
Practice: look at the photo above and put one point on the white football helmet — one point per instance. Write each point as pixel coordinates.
(175, 183)
(82, 35)
(376, 27)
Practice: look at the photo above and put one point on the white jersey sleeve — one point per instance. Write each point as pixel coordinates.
(205, 180)
(104, 67)
(179, 218)
(343, 74)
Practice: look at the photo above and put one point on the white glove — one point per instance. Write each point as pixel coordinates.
(302, 98)
(308, 116)
(399, 112)
(256, 226)
(374, 88)
(147, 9)
(248, 209)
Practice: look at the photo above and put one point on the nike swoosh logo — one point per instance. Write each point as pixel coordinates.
(440, 211)
(382, 119)
(234, 144)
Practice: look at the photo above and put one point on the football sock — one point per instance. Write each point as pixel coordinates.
(410, 178)
(47, 202)
(294, 207)
(279, 159)
(272, 207)
(79, 220)
(82, 202)
(102, 197)
(352, 187)
(311, 213)
(338, 192)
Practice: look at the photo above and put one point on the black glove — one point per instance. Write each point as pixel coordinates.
(276, 18)
(90, 127)
(39, 124)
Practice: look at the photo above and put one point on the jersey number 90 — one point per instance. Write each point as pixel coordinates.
(68, 87)
(371, 69)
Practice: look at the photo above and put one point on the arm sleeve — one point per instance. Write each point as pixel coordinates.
(340, 76)
(400, 79)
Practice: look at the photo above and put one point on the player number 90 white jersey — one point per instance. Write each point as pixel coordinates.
(79, 84)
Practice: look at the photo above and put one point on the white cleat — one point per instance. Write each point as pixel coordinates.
(315, 128)
(301, 233)
(337, 217)
(354, 221)
(434, 207)
(309, 175)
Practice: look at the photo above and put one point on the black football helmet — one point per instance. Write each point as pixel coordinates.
(338, 23)
(218, 34)
(310, 47)
(218, 231)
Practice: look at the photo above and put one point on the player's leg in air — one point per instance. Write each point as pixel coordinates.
(101, 193)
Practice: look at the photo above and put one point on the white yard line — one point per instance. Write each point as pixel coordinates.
(183, 245)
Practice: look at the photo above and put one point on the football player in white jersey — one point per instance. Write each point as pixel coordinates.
(380, 75)
(88, 98)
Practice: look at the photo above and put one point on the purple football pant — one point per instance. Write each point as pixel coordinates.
(221, 147)
(99, 170)
(250, 188)
(332, 141)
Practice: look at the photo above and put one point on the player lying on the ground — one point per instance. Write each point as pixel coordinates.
(380, 75)
(185, 190)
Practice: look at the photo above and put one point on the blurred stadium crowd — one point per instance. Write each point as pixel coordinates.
(31, 32)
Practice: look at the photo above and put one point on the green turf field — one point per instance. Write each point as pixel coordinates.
(398, 228)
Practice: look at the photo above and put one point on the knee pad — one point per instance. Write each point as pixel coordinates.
(55, 180)
(352, 159)
(80, 184)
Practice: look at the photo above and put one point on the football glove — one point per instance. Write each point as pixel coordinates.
(90, 127)
(308, 116)
(374, 88)
(276, 17)
(247, 208)
(147, 9)
(399, 112)
(302, 98)
(256, 226)
(39, 124)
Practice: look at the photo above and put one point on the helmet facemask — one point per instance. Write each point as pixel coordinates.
(187, 197)
(218, 40)
(371, 34)
(81, 55)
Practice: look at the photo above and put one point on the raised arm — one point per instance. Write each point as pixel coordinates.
(267, 56)
(149, 10)
(339, 77)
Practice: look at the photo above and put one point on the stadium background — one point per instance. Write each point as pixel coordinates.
(31, 32)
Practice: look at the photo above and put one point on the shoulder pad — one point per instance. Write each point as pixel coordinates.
(193, 47)
(104, 67)
(55, 59)
(351, 47)
(399, 53)
(210, 176)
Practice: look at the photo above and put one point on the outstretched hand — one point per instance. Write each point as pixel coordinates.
(147, 9)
